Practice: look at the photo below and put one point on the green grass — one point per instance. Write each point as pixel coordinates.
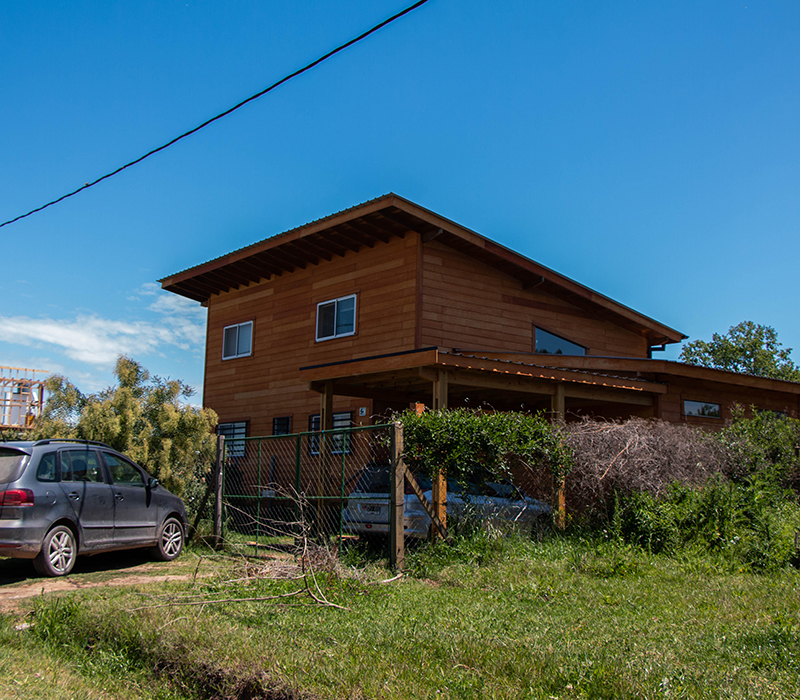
(486, 618)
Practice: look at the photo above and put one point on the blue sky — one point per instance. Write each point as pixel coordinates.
(648, 150)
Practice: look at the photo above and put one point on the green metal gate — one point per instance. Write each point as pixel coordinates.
(279, 488)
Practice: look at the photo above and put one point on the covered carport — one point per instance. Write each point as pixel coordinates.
(440, 378)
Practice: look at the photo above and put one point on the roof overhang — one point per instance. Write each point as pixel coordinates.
(408, 376)
(378, 221)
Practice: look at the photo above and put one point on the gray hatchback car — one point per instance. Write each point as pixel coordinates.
(62, 498)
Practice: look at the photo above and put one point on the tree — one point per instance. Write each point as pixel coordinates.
(145, 418)
(747, 348)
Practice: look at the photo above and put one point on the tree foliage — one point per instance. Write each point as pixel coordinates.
(747, 348)
(144, 417)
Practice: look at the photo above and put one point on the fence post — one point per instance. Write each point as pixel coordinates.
(397, 500)
(218, 489)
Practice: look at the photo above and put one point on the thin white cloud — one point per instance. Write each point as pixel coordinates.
(98, 341)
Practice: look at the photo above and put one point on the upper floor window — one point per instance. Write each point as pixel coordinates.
(553, 344)
(237, 341)
(703, 409)
(336, 318)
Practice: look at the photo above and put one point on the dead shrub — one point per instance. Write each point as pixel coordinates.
(636, 456)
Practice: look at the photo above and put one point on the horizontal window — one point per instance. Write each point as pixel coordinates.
(702, 409)
(237, 341)
(552, 344)
(336, 318)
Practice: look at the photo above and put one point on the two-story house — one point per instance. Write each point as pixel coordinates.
(388, 304)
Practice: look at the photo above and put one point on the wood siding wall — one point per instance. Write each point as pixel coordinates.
(471, 306)
(283, 309)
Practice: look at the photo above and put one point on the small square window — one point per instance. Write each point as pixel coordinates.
(336, 318)
(702, 409)
(237, 341)
(282, 425)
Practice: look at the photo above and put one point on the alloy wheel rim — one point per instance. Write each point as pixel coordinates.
(171, 539)
(61, 551)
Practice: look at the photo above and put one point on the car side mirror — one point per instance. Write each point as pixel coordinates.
(152, 483)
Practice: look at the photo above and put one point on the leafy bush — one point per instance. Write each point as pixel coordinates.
(462, 442)
(767, 444)
(750, 525)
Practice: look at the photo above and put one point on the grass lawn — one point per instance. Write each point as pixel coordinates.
(492, 618)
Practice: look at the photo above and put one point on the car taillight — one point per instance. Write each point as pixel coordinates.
(16, 497)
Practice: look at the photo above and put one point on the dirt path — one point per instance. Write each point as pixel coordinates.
(20, 584)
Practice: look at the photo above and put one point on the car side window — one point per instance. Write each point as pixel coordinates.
(80, 465)
(46, 470)
(122, 472)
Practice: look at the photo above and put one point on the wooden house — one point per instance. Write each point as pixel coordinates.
(388, 304)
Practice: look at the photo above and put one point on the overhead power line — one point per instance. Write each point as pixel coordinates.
(222, 114)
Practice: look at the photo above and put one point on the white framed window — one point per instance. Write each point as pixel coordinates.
(336, 317)
(237, 341)
(340, 442)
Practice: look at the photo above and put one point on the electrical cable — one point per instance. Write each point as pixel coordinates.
(222, 114)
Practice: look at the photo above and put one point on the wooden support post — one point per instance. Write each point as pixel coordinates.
(439, 495)
(218, 476)
(325, 423)
(397, 503)
(556, 416)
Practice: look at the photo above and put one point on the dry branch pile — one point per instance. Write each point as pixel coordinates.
(636, 456)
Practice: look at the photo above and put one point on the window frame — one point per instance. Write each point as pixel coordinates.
(238, 354)
(687, 414)
(337, 446)
(538, 329)
(235, 445)
(336, 303)
(277, 427)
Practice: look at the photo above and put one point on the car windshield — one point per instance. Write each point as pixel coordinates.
(11, 463)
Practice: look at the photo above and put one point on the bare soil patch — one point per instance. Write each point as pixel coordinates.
(18, 582)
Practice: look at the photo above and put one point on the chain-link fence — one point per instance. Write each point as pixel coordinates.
(280, 488)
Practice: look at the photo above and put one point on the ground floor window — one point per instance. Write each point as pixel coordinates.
(702, 409)
(282, 425)
(233, 432)
(342, 419)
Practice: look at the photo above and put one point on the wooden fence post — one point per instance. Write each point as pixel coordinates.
(218, 492)
(397, 500)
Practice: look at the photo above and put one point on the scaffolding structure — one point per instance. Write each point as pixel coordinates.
(21, 396)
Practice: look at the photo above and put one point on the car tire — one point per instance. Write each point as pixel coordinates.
(58, 553)
(170, 540)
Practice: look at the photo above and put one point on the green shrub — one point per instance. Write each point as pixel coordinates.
(462, 442)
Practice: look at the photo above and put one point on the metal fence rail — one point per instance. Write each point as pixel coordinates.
(281, 487)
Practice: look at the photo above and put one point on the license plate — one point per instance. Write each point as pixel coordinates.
(369, 508)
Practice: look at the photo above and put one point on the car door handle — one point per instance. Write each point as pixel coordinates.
(75, 496)
(119, 497)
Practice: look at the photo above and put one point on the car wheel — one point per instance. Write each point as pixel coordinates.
(170, 540)
(57, 556)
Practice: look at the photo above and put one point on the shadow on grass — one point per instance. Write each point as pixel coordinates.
(21, 570)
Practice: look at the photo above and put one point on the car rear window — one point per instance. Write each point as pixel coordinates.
(11, 464)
